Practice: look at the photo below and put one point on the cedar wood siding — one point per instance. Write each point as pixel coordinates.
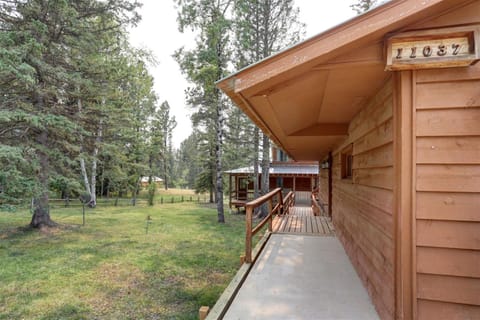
(323, 187)
(447, 183)
(448, 193)
(362, 207)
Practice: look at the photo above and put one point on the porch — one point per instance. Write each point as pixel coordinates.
(301, 220)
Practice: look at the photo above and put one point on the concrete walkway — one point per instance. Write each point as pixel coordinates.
(302, 277)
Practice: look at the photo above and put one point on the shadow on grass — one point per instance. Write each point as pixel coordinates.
(16, 233)
(68, 311)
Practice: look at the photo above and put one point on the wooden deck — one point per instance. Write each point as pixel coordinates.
(302, 221)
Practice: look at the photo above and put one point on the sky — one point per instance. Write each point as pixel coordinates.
(158, 32)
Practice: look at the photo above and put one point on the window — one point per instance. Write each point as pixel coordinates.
(347, 163)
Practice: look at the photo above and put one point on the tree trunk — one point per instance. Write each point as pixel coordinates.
(93, 184)
(265, 171)
(165, 174)
(218, 163)
(83, 170)
(256, 163)
(256, 149)
(93, 192)
(41, 213)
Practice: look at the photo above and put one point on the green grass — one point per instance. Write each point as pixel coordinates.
(112, 269)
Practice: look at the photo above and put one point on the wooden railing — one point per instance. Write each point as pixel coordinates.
(317, 210)
(274, 207)
(288, 202)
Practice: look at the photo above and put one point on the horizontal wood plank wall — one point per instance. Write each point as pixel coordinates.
(448, 193)
(323, 184)
(363, 205)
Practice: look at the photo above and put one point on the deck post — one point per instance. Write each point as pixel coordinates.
(282, 209)
(248, 234)
(230, 191)
(203, 312)
(270, 213)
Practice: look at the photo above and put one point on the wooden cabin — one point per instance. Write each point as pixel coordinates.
(299, 177)
(389, 104)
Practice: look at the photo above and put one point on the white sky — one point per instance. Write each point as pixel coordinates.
(158, 31)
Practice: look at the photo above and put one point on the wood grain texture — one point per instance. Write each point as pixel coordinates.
(380, 219)
(449, 289)
(460, 94)
(378, 110)
(363, 205)
(448, 191)
(373, 242)
(448, 206)
(377, 198)
(450, 262)
(465, 15)
(448, 234)
(448, 122)
(404, 198)
(451, 150)
(377, 158)
(379, 284)
(428, 310)
(449, 75)
(448, 178)
(376, 177)
(381, 135)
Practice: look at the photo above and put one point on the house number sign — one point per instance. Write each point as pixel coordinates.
(408, 52)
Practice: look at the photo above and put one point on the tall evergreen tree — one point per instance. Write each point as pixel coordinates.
(188, 162)
(264, 27)
(204, 65)
(44, 44)
(160, 145)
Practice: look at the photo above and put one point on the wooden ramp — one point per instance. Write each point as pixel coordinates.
(302, 221)
(301, 277)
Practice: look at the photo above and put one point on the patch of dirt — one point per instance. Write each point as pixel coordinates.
(57, 229)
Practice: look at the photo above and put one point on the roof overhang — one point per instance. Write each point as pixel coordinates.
(304, 98)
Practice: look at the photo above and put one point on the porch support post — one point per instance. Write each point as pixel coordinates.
(404, 194)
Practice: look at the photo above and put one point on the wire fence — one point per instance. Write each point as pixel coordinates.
(126, 202)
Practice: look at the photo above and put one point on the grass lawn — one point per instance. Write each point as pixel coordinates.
(111, 269)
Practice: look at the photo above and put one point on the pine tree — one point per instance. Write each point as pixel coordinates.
(203, 66)
(160, 145)
(44, 46)
(262, 28)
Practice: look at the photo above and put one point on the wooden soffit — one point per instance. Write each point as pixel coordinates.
(304, 98)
